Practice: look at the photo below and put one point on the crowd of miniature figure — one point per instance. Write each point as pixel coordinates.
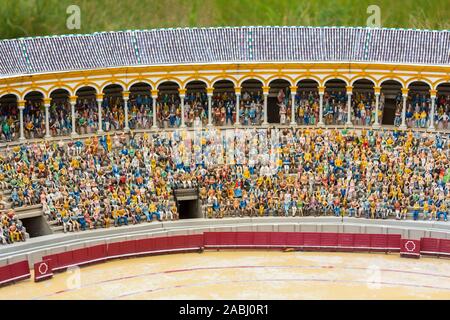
(223, 112)
(119, 179)
(11, 227)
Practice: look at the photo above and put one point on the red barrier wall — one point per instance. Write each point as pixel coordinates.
(294, 239)
(42, 270)
(145, 245)
(410, 248)
(244, 239)
(429, 246)
(329, 240)
(211, 238)
(261, 239)
(378, 242)
(97, 253)
(14, 272)
(444, 247)
(361, 241)
(393, 241)
(345, 241)
(161, 244)
(155, 245)
(311, 239)
(303, 240)
(195, 241)
(227, 238)
(65, 259)
(277, 239)
(80, 256)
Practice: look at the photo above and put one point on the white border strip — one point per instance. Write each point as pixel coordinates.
(294, 246)
(25, 276)
(45, 276)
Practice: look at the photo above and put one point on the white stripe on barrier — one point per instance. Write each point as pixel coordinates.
(294, 246)
(438, 253)
(79, 264)
(409, 254)
(16, 278)
(153, 251)
(44, 276)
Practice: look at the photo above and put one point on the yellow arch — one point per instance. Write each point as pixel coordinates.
(36, 89)
(424, 80)
(393, 78)
(112, 82)
(252, 77)
(280, 77)
(86, 84)
(439, 82)
(337, 77)
(228, 78)
(196, 78)
(308, 77)
(171, 79)
(14, 92)
(63, 86)
(140, 80)
(364, 77)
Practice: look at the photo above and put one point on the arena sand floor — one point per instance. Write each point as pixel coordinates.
(247, 275)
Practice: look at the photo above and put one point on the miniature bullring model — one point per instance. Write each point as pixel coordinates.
(70, 94)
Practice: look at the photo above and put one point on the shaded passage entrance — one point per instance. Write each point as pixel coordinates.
(189, 209)
(392, 95)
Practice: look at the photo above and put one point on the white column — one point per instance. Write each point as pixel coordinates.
(21, 107)
(99, 105)
(405, 97)
(73, 101)
(47, 117)
(433, 105)
(376, 123)
(210, 93)
(182, 95)
(154, 98)
(266, 94)
(126, 97)
(349, 106)
(321, 93)
(293, 93)
(237, 91)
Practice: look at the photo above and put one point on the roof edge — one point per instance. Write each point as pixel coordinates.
(215, 28)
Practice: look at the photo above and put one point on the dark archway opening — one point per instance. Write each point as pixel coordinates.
(188, 209)
(279, 97)
(36, 226)
(391, 96)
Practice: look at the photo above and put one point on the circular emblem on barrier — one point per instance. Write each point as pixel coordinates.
(43, 268)
(410, 246)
